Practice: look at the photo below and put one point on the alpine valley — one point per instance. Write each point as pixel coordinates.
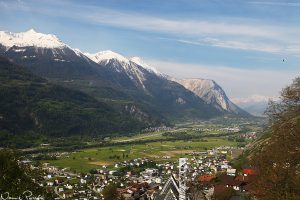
(94, 94)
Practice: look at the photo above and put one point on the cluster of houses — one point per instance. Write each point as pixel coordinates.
(64, 184)
(234, 129)
(216, 185)
(230, 129)
(249, 135)
(157, 129)
(141, 178)
(210, 177)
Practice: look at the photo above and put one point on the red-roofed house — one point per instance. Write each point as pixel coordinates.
(248, 171)
(206, 178)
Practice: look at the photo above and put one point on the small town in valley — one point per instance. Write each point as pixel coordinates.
(204, 175)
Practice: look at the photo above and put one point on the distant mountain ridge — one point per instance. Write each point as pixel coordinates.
(153, 86)
(107, 76)
(211, 93)
(255, 104)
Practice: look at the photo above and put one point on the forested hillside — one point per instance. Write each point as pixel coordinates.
(31, 108)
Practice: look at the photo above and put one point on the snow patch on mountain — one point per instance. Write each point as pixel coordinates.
(78, 52)
(103, 57)
(106, 56)
(139, 61)
(132, 67)
(30, 38)
(81, 54)
(120, 64)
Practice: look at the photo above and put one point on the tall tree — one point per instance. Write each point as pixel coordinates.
(278, 157)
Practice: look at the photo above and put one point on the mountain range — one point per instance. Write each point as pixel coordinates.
(255, 104)
(128, 85)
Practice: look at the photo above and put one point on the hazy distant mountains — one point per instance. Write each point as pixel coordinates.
(256, 104)
(109, 77)
(255, 108)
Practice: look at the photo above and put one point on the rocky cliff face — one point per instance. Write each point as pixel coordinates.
(212, 94)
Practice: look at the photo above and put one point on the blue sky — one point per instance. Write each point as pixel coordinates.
(240, 44)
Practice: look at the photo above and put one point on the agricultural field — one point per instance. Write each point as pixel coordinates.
(161, 146)
(139, 137)
(87, 159)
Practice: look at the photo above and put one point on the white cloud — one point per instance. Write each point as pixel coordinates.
(236, 44)
(255, 98)
(239, 33)
(236, 33)
(294, 49)
(179, 26)
(274, 3)
(237, 83)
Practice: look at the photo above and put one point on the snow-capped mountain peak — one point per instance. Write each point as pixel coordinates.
(30, 38)
(120, 64)
(106, 56)
(139, 61)
(32, 31)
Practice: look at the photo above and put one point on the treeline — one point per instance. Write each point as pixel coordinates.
(188, 136)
